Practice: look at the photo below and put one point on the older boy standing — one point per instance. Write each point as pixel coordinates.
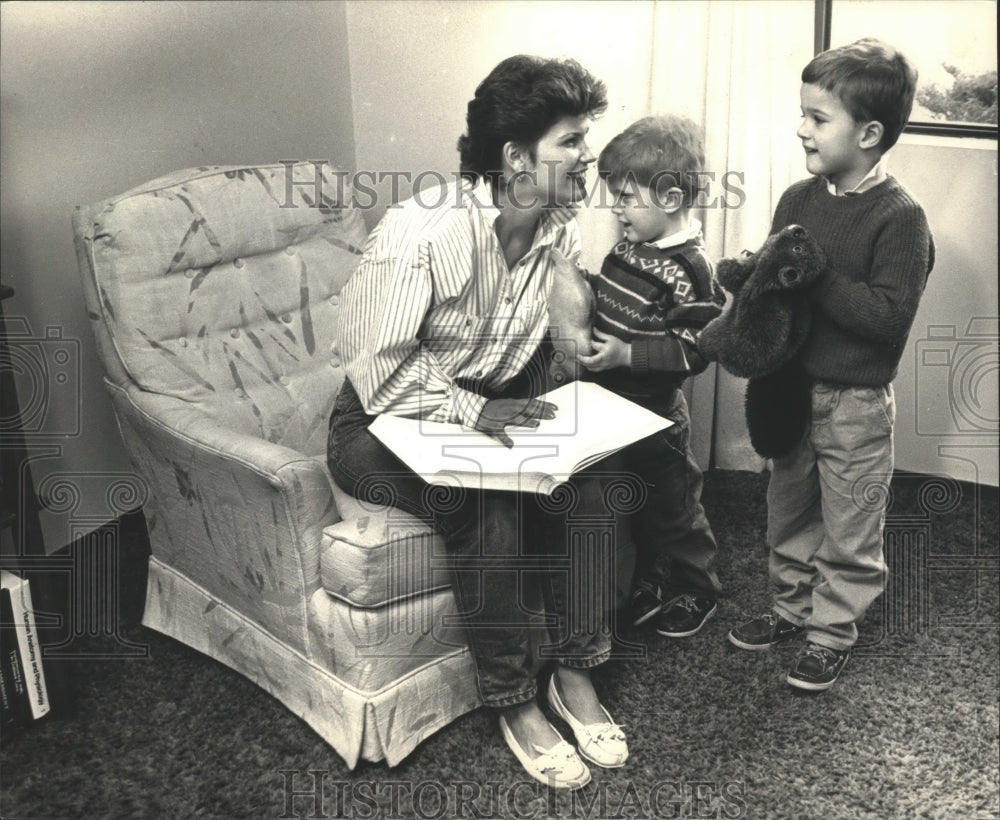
(826, 499)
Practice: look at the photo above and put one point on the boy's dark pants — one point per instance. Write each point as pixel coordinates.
(671, 533)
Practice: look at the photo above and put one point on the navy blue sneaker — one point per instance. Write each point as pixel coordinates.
(763, 632)
(817, 667)
(645, 602)
(685, 616)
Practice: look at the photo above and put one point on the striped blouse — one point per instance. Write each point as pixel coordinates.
(433, 319)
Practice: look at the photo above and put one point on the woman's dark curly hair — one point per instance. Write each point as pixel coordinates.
(520, 100)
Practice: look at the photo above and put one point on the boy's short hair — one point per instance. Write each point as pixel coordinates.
(657, 152)
(873, 80)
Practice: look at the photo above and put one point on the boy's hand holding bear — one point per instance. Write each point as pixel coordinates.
(759, 337)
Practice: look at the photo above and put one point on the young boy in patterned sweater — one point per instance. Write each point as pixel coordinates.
(655, 292)
(825, 500)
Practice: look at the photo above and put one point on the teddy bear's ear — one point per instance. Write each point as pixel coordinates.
(734, 272)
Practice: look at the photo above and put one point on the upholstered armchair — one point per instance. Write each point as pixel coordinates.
(213, 295)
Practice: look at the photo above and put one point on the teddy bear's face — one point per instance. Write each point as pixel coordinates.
(788, 259)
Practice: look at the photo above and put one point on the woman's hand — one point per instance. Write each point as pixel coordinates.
(609, 352)
(499, 413)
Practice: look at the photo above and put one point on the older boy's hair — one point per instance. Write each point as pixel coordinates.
(873, 81)
(657, 152)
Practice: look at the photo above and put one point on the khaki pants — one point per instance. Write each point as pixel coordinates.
(826, 510)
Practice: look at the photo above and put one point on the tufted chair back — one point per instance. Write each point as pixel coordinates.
(219, 286)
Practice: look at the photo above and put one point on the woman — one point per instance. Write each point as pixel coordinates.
(443, 321)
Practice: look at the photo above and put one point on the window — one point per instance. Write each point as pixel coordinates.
(952, 45)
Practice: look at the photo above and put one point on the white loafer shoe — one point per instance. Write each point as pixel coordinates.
(601, 743)
(559, 767)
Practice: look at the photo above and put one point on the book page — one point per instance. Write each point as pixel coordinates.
(590, 422)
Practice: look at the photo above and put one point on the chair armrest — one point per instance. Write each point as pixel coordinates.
(186, 421)
(238, 515)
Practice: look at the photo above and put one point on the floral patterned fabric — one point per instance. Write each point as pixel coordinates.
(228, 296)
(213, 295)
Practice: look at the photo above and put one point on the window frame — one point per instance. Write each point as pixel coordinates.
(821, 42)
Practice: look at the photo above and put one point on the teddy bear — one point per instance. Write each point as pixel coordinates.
(760, 335)
(571, 315)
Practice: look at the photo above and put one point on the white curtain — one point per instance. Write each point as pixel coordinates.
(732, 65)
(735, 67)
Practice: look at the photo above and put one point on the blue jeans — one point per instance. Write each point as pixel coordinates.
(826, 510)
(522, 567)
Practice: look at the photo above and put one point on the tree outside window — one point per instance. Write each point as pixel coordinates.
(953, 46)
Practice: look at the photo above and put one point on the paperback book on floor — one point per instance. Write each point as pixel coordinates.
(23, 678)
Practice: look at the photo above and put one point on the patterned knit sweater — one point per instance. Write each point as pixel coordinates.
(658, 300)
(880, 251)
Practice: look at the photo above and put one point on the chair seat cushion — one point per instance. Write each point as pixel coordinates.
(380, 555)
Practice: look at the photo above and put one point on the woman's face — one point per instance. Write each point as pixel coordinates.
(562, 158)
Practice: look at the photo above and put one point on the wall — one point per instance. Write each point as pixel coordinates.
(415, 65)
(98, 98)
(947, 390)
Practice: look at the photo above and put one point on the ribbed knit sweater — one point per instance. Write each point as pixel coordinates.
(880, 251)
(658, 300)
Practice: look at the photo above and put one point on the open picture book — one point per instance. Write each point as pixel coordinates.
(590, 424)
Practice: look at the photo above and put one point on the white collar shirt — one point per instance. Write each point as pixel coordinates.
(875, 176)
(692, 231)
